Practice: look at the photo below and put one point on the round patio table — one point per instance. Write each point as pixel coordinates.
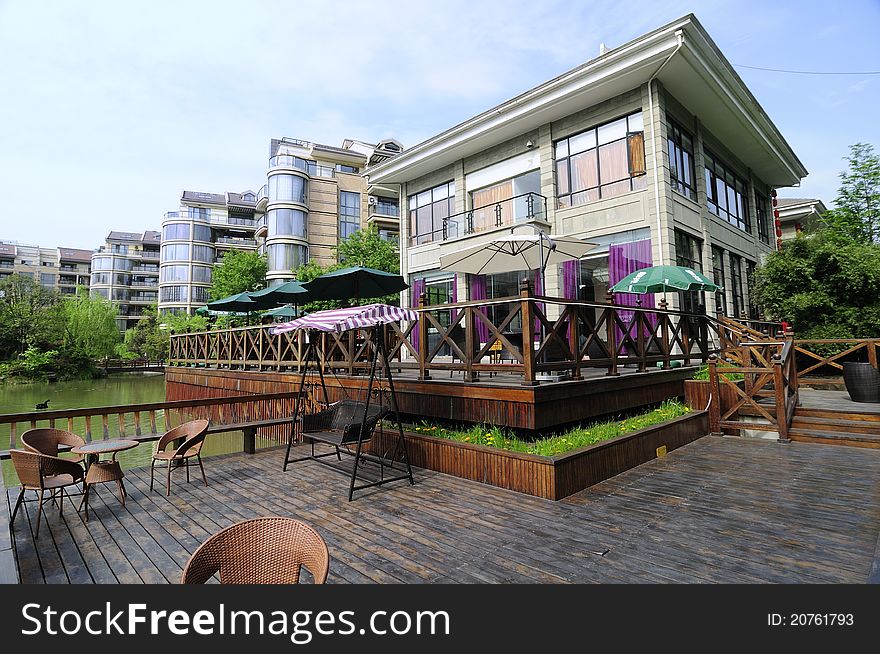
(100, 472)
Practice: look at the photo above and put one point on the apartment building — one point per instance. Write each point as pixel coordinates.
(194, 240)
(316, 196)
(60, 268)
(798, 215)
(655, 151)
(126, 270)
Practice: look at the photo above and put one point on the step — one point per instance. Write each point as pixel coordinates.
(834, 438)
(836, 425)
(836, 415)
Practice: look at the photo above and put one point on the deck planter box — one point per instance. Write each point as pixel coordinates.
(550, 477)
(862, 381)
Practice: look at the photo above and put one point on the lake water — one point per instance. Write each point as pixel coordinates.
(124, 388)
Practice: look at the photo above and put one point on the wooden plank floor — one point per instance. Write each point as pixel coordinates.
(717, 510)
(811, 398)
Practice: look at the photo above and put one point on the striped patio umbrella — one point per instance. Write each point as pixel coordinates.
(660, 279)
(341, 320)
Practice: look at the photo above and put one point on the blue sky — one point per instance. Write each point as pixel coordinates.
(110, 109)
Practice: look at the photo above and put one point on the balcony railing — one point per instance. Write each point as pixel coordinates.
(385, 209)
(145, 269)
(233, 220)
(310, 167)
(263, 193)
(518, 209)
(143, 297)
(145, 283)
(7, 264)
(230, 240)
(148, 254)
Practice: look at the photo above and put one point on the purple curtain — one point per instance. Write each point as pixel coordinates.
(569, 280)
(624, 259)
(539, 290)
(478, 292)
(415, 292)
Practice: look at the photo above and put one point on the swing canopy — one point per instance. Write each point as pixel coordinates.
(341, 320)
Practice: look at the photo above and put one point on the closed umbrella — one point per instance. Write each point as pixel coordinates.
(354, 283)
(660, 279)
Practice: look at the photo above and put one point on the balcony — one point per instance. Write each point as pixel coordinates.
(248, 223)
(148, 254)
(145, 283)
(145, 269)
(384, 208)
(143, 298)
(231, 241)
(7, 265)
(520, 209)
(263, 193)
(66, 267)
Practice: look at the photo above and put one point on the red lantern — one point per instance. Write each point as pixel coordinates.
(778, 231)
(778, 243)
(776, 213)
(775, 201)
(773, 192)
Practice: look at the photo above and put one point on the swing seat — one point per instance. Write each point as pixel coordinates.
(340, 424)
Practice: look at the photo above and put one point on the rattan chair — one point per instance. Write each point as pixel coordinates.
(269, 550)
(46, 441)
(40, 472)
(193, 434)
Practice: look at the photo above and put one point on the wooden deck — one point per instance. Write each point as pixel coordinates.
(717, 510)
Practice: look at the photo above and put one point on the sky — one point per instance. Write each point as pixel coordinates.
(111, 109)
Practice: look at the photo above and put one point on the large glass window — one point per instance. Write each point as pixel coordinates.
(680, 147)
(122, 279)
(427, 211)
(736, 285)
(689, 253)
(101, 278)
(287, 188)
(761, 217)
(726, 194)
(203, 253)
(288, 222)
(118, 248)
(718, 278)
(121, 263)
(174, 273)
(100, 292)
(200, 294)
(349, 213)
(176, 232)
(503, 203)
(601, 162)
(754, 312)
(202, 233)
(174, 293)
(342, 168)
(121, 294)
(102, 263)
(47, 279)
(287, 256)
(201, 274)
(175, 252)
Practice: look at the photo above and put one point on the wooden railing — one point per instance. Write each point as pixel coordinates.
(526, 335)
(769, 390)
(832, 354)
(149, 421)
(130, 364)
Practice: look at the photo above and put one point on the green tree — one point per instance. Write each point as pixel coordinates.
(856, 215)
(146, 339)
(240, 271)
(825, 286)
(89, 324)
(28, 316)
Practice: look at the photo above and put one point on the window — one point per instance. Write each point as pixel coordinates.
(439, 291)
(736, 285)
(199, 213)
(101, 278)
(119, 249)
(287, 188)
(342, 168)
(288, 222)
(175, 252)
(349, 213)
(173, 293)
(601, 162)
(316, 170)
(389, 235)
(47, 279)
(199, 294)
(203, 253)
(120, 294)
(427, 212)
(102, 263)
(507, 285)
(385, 206)
(750, 285)
(502, 204)
(286, 256)
(726, 194)
(174, 273)
(680, 147)
(201, 274)
(119, 263)
(689, 253)
(202, 233)
(48, 264)
(175, 232)
(718, 278)
(761, 217)
(100, 292)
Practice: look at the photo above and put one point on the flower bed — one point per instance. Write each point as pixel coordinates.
(552, 477)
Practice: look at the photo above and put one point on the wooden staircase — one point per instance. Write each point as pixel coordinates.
(835, 427)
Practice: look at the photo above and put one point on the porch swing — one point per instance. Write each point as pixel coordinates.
(351, 423)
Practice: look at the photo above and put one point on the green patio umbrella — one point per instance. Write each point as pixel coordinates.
(239, 302)
(354, 283)
(660, 279)
(287, 293)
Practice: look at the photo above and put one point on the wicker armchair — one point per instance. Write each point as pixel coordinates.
(40, 472)
(268, 550)
(46, 441)
(193, 434)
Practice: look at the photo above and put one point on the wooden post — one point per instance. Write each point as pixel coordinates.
(714, 397)
(872, 351)
(611, 333)
(664, 332)
(793, 380)
(780, 393)
(424, 373)
(528, 334)
(250, 440)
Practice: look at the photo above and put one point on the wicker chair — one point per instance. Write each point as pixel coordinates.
(193, 434)
(39, 472)
(46, 441)
(268, 550)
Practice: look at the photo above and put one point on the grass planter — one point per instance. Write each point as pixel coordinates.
(550, 477)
